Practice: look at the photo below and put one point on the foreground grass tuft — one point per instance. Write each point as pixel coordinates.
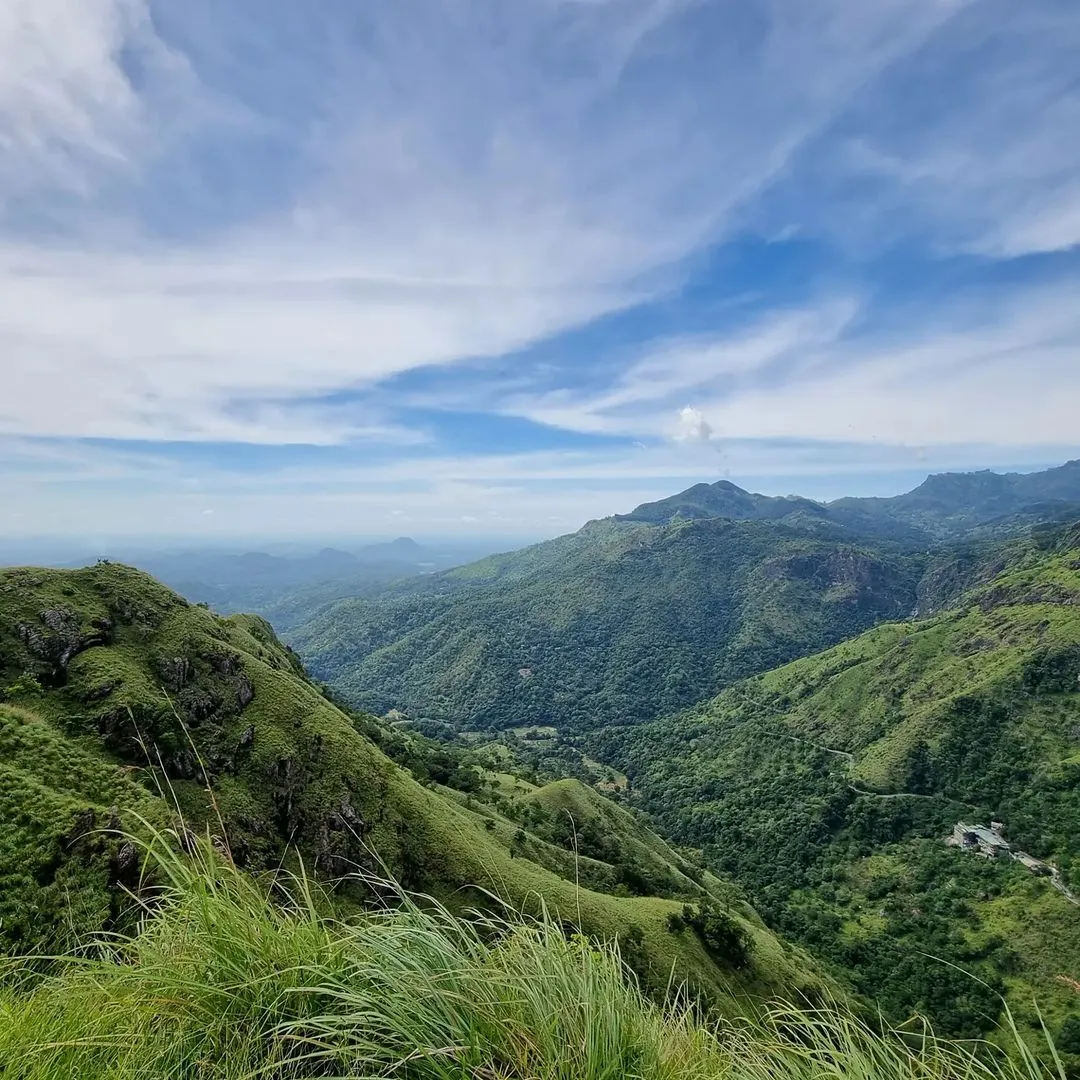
(229, 977)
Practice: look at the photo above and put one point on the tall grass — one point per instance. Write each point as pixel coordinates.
(232, 978)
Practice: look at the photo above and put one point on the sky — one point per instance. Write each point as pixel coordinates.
(456, 267)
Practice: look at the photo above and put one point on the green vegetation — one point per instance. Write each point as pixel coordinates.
(125, 703)
(288, 589)
(613, 624)
(333, 899)
(59, 873)
(235, 977)
(826, 788)
(643, 614)
(949, 506)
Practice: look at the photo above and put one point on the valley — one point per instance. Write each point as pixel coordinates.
(125, 709)
(812, 695)
(735, 745)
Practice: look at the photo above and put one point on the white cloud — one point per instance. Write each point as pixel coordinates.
(1052, 224)
(178, 349)
(74, 490)
(653, 381)
(1005, 373)
(691, 426)
(238, 238)
(985, 371)
(225, 226)
(63, 100)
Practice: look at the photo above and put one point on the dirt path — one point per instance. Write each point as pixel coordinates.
(904, 795)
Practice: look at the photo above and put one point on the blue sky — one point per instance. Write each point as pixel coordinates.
(446, 267)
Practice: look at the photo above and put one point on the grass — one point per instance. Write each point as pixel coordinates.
(235, 977)
(55, 867)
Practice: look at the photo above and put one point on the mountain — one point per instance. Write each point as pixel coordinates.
(287, 589)
(723, 499)
(945, 506)
(827, 789)
(123, 706)
(949, 505)
(262, 583)
(647, 612)
(403, 549)
(620, 621)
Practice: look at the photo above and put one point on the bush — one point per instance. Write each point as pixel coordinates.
(721, 934)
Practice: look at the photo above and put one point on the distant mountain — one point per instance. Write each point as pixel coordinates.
(287, 587)
(723, 499)
(404, 548)
(945, 506)
(949, 505)
(828, 787)
(620, 621)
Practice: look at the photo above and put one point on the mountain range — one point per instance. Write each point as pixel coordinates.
(730, 731)
(826, 788)
(648, 612)
(945, 506)
(814, 695)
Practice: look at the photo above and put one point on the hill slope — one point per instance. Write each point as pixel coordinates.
(118, 692)
(616, 622)
(827, 788)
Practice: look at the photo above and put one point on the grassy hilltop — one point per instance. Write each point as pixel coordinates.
(230, 980)
(123, 703)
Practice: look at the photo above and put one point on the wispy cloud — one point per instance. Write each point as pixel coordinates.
(119, 492)
(966, 143)
(268, 224)
(993, 370)
(461, 181)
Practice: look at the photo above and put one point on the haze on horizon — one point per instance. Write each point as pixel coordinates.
(462, 268)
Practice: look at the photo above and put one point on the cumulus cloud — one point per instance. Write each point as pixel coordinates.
(691, 426)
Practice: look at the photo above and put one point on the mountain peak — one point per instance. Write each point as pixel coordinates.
(720, 499)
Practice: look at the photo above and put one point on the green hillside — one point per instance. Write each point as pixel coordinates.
(123, 703)
(723, 499)
(615, 623)
(827, 787)
(646, 613)
(953, 505)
